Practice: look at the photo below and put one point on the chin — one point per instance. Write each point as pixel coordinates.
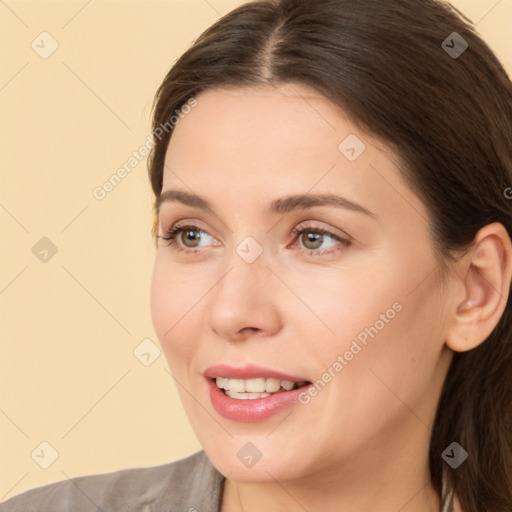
(242, 460)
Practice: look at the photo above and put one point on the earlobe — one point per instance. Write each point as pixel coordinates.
(486, 282)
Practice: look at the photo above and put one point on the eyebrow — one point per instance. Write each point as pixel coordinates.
(278, 206)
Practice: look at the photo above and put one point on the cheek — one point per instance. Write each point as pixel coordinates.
(173, 313)
(344, 306)
(161, 303)
(389, 361)
(386, 319)
(413, 343)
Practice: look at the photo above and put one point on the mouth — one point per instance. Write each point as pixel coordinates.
(254, 406)
(259, 387)
(252, 393)
(252, 382)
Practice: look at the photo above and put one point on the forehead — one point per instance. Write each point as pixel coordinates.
(294, 113)
(244, 132)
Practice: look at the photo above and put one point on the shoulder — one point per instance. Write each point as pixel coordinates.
(189, 483)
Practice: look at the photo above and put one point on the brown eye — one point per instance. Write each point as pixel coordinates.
(190, 237)
(312, 240)
(187, 238)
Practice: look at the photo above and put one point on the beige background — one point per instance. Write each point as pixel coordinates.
(70, 325)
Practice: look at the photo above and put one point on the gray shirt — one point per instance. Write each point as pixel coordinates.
(187, 485)
(191, 484)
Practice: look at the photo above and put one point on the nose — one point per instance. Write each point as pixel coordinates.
(245, 302)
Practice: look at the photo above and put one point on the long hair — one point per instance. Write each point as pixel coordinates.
(415, 74)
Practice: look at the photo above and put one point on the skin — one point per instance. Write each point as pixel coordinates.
(362, 443)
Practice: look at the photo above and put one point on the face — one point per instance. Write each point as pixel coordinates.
(341, 293)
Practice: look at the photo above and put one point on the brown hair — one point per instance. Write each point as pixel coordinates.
(449, 118)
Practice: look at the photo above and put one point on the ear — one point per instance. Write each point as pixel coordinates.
(485, 280)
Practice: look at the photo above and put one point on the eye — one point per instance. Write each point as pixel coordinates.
(189, 237)
(313, 237)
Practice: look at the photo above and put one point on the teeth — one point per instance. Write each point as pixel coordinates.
(237, 385)
(288, 384)
(246, 396)
(222, 383)
(272, 385)
(254, 386)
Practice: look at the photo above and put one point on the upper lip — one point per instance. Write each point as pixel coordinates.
(248, 372)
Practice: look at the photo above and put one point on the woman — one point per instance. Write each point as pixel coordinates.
(333, 268)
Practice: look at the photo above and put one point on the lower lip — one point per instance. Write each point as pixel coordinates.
(255, 409)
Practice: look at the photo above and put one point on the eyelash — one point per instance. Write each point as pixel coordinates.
(175, 230)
